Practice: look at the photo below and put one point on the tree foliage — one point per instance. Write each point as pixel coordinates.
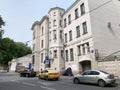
(2, 23)
(10, 49)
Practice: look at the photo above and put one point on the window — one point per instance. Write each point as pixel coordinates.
(49, 35)
(79, 50)
(66, 54)
(78, 31)
(33, 59)
(33, 47)
(33, 34)
(70, 35)
(83, 48)
(82, 7)
(41, 57)
(94, 73)
(84, 28)
(65, 23)
(61, 34)
(60, 23)
(49, 24)
(62, 54)
(66, 38)
(54, 23)
(42, 30)
(69, 19)
(54, 13)
(42, 44)
(88, 47)
(54, 35)
(71, 54)
(86, 73)
(76, 13)
(55, 53)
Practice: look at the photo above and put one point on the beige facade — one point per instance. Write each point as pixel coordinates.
(40, 43)
(86, 32)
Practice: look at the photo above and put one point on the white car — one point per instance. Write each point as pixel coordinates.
(95, 77)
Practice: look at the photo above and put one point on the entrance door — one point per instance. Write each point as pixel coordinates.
(86, 65)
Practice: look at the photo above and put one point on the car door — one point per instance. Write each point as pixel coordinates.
(85, 77)
(94, 75)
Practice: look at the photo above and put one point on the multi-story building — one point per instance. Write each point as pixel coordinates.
(91, 30)
(86, 32)
(40, 43)
(56, 38)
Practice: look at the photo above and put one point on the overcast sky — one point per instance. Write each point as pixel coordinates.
(19, 15)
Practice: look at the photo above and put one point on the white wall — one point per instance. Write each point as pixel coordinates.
(106, 39)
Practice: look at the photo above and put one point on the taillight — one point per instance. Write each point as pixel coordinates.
(111, 76)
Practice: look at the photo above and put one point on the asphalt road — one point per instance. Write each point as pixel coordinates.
(14, 82)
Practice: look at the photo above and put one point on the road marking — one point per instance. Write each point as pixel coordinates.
(14, 81)
(28, 84)
(47, 88)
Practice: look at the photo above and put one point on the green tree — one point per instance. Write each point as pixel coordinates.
(10, 49)
(2, 23)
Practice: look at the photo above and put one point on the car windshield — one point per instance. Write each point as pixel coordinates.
(104, 72)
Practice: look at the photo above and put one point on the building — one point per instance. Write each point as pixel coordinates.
(21, 63)
(95, 32)
(80, 36)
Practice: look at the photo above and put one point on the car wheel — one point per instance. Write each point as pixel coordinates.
(46, 78)
(76, 81)
(20, 75)
(56, 79)
(101, 83)
(39, 77)
(26, 75)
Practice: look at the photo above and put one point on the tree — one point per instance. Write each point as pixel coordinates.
(2, 23)
(11, 49)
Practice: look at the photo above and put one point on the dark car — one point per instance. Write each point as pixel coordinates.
(28, 73)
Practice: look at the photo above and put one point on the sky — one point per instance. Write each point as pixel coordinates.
(19, 15)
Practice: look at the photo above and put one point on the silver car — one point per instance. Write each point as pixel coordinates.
(95, 77)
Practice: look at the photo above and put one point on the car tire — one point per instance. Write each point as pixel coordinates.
(76, 81)
(101, 83)
(20, 75)
(46, 77)
(39, 77)
(26, 75)
(56, 79)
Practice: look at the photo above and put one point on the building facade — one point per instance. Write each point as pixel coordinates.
(79, 37)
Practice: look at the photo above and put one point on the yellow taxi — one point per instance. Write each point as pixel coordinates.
(49, 74)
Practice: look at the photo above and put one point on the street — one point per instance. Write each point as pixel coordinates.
(11, 81)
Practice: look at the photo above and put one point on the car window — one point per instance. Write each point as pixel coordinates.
(86, 73)
(94, 73)
(45, 71)
(104, 72)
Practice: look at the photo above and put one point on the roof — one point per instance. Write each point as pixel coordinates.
(71, 6)
(39, 22)
(55, 8)
(113, 56)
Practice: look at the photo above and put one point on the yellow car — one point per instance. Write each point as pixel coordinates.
(49, 74)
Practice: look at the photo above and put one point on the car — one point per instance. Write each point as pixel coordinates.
(99, 77)
(49, 74)
(28, 73)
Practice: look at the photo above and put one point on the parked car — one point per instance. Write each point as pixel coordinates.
(28, 73)
(49, 74)
(95, 77)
